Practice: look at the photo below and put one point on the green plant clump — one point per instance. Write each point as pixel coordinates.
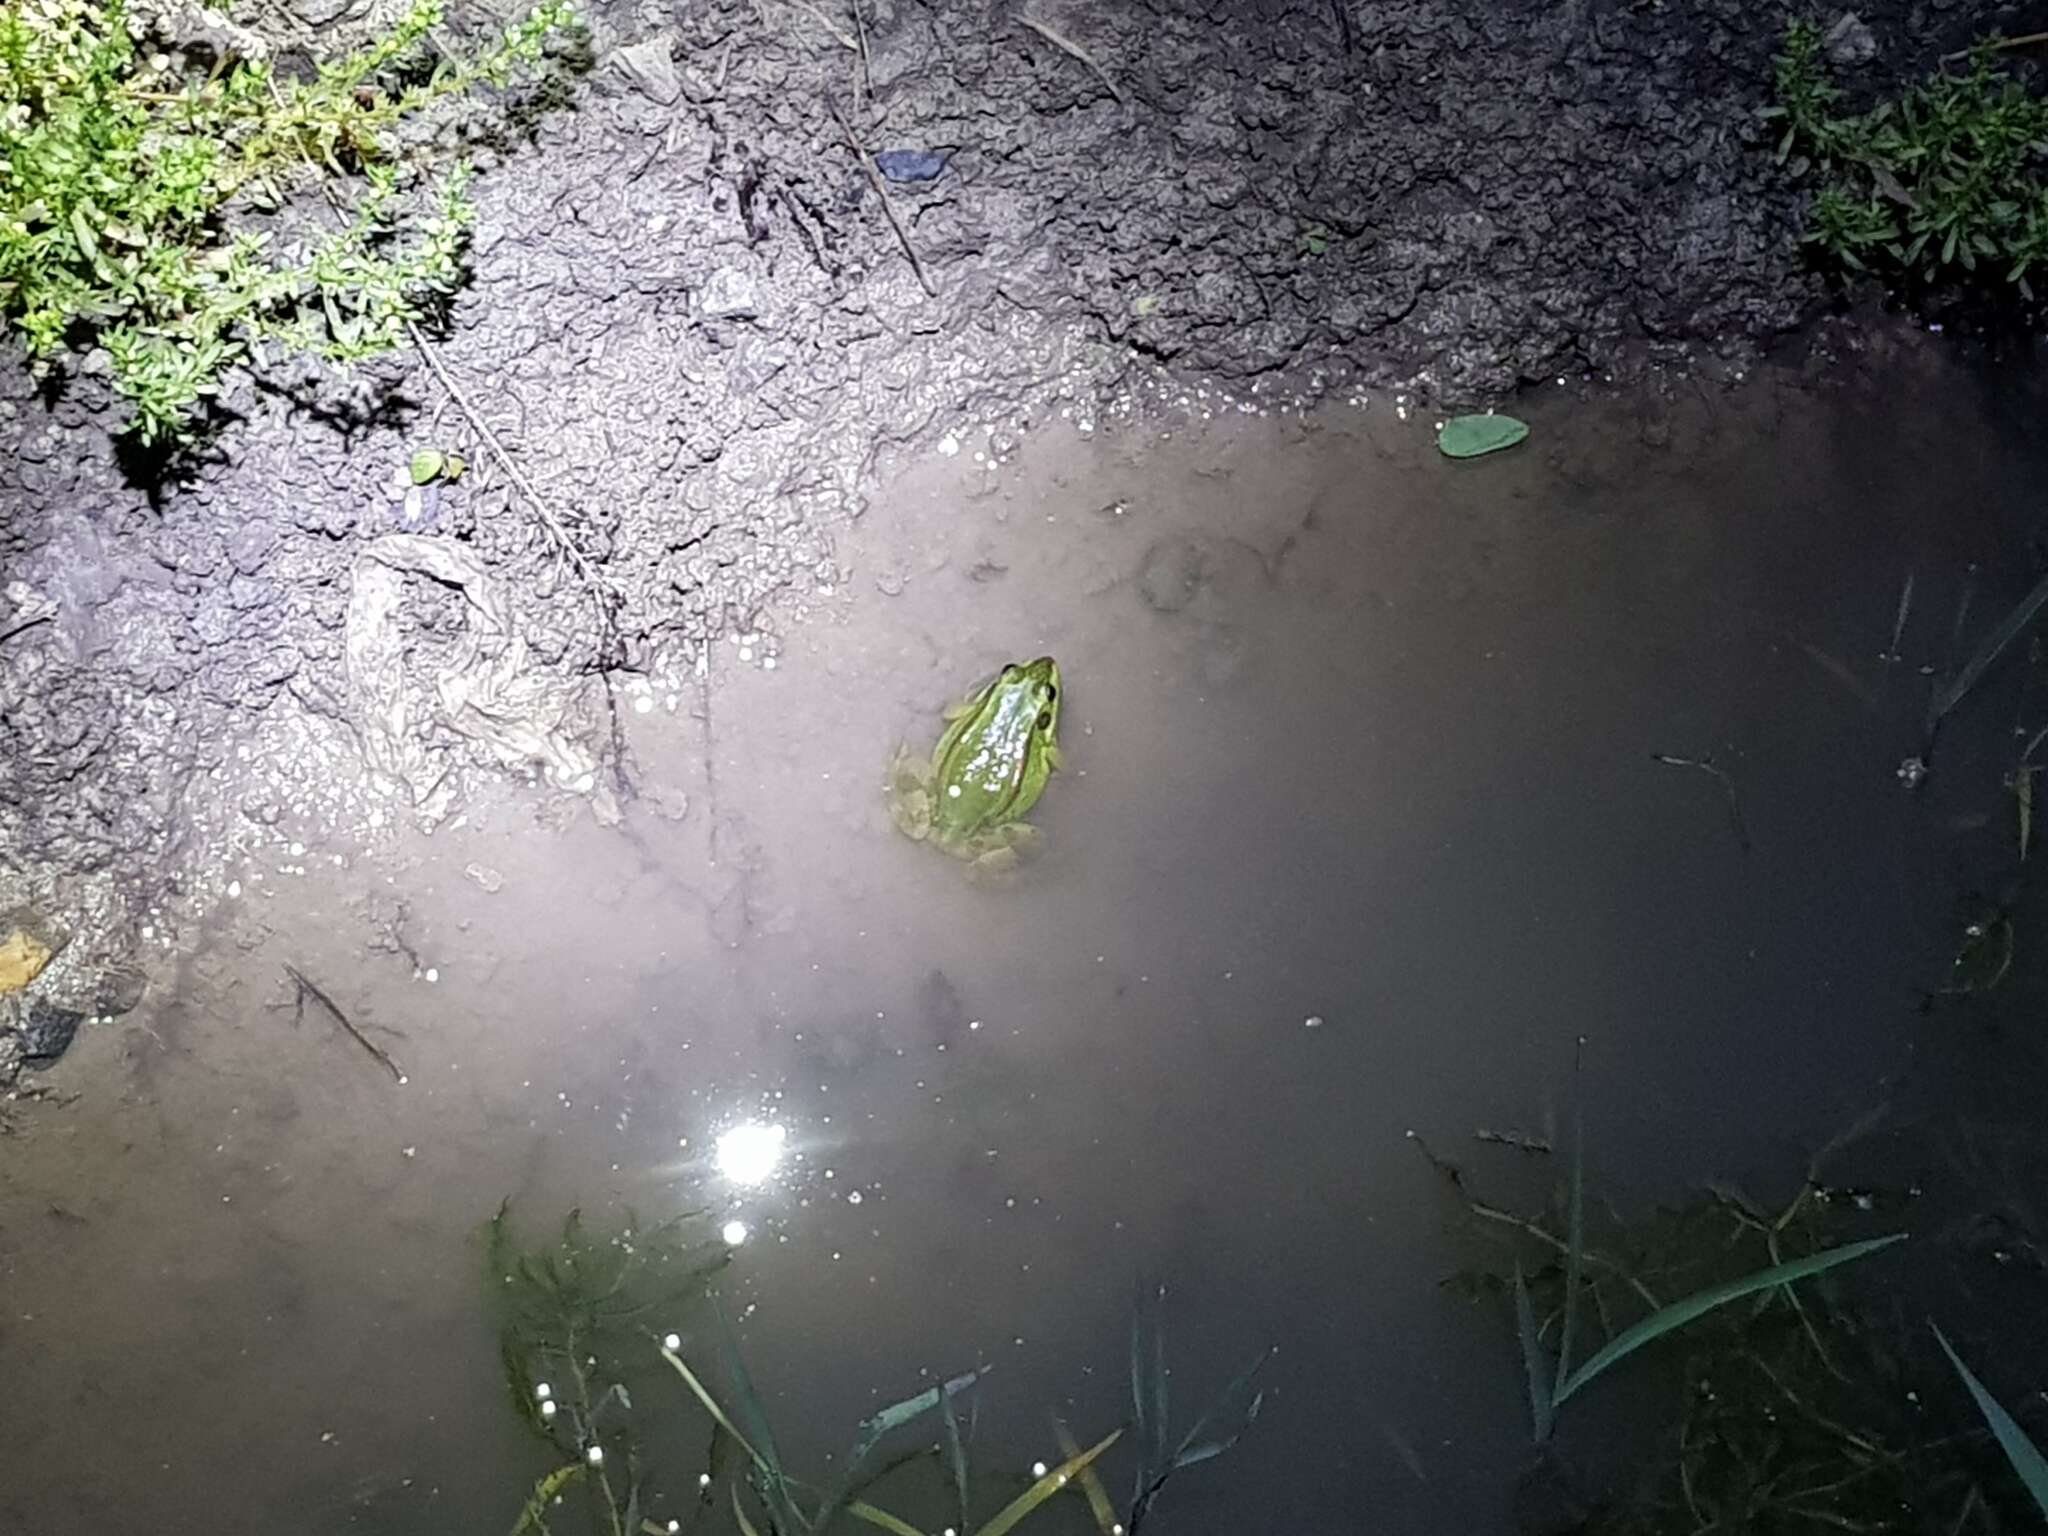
(144, 206)
(1946, 182)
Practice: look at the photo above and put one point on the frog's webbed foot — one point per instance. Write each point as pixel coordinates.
(909, 792)
(997, 855)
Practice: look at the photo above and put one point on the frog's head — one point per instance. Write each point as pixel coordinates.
(1042, 678)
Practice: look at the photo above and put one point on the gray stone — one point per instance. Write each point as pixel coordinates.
(729, 294)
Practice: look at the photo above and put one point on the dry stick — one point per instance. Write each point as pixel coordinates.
(548, 520)
(308, 989)
(25, 624)
(882, 191)
(867, 65)
(1077, 51)
(1998, 45)
(826, 22)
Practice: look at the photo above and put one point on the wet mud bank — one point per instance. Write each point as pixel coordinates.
(701, 338)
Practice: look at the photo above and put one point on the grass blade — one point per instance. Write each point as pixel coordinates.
(2025, 1456)
(1542, 1397)
(1993, 647)
(1679, 1313)
(877, 1427)
(1148, 1384)
(861, 1510)
(1574, 1258)
(534, 1516)
(956, 1454)
(711, 1407)
(739, 1514)
(1046, 1487)
(1091, 1483)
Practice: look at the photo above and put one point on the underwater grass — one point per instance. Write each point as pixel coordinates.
(584, 1311)
(2020, 1451)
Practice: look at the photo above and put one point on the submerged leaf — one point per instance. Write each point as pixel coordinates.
(1467, 437)
(2025, 1456)
(533, 1517)
(1993, 647)
(1211, 1437)
(1542, 1396)
(426, 464)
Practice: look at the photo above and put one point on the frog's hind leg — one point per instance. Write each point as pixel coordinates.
(1002, 853)
(909, 792)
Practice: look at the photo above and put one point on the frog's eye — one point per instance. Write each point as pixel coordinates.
(1045, 720)
(1052, 693)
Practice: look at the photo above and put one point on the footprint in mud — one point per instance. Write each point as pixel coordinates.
(1179, 574)
(1174, 572)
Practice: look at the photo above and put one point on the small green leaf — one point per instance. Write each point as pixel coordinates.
(426, 465)
(1467, 437)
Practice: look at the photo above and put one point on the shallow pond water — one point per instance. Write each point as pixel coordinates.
(1362, 831)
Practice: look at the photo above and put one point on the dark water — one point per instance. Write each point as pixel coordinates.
(1353, 736)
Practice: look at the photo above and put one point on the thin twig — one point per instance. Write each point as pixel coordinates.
(307, 988)
(867, 164)
(1074, 48)
(1706, 765)
(1997, 45)
(867, 64)
(1516, 1139)
(548, 521)
(28, 623)
(826, 22)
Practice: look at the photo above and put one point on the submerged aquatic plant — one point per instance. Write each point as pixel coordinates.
(574, 1315)
(1553, 1383)
(1790, 1414)
(582, 1314)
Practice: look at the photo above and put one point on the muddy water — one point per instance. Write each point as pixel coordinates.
(1362, 832)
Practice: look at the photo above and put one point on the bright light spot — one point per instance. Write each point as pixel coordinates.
(1038, 1469)
(543, 1391)
(703, 1481)
(672, 1342)
(547, 1409)
(594, 1455)
(734, 1233)
(748, 1154)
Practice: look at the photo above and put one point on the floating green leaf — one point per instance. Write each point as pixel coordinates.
(2025, 1456)
(1467, 437)
(426, 465)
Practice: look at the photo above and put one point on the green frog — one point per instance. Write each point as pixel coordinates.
(1000, 747)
